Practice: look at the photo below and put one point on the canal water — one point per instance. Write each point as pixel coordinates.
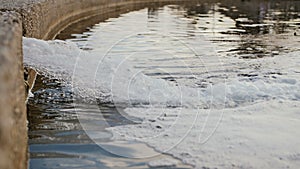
(129, 91)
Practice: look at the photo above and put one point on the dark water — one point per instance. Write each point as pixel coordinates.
(57, 140)
(244, 30)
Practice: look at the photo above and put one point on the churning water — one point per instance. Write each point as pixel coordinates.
(167, 76)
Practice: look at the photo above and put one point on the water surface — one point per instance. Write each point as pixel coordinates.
(198, 45)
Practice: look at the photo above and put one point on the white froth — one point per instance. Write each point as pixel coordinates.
(261, 134)
(94, 76)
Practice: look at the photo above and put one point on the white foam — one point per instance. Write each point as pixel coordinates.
(259, 130)
(165, 162)
(263, 135)
(96, 76)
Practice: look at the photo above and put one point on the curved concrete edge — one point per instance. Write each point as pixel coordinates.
(13, 127)
(43, 19)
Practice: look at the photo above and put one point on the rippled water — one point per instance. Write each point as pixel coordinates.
(196, 45)
(231, 31)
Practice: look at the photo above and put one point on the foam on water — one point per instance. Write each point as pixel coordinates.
(176, 117)
(95, 76)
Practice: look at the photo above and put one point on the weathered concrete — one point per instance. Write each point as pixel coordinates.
(43, 19)
(13, 130)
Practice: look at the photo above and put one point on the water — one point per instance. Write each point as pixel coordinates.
(57, 140)
(198, 50)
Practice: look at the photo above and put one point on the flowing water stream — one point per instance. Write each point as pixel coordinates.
(163, 79)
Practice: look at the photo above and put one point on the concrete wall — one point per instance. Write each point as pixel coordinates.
(41, 19)
(13, 129)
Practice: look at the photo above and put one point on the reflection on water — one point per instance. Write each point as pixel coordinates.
(244, 30)
(57, 140)
(253, 27)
